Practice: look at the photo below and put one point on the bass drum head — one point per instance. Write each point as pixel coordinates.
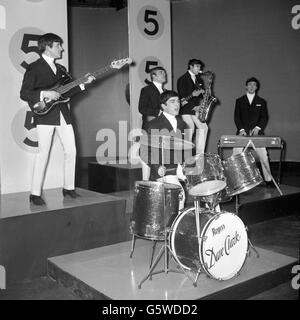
(224, 249)
(183, 238)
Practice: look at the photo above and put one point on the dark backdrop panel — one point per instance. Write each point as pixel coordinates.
(96, 37)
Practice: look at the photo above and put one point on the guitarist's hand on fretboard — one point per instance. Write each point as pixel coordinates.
(89, 78)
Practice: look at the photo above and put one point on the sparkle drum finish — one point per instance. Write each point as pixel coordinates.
(150, 215)
(241, 172)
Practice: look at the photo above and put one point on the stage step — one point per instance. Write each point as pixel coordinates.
(113, 177)
(109, 273)
(31, 234)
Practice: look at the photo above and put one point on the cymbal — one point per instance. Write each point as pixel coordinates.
(166, 142)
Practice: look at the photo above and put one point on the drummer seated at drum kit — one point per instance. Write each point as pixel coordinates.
(165, 158)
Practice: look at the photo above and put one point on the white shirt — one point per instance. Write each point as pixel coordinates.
(193, 76)
(158, 85)
(172, 120)
(50, 61)
(250, 97)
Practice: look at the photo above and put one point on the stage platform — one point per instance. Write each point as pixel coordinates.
(30, 234)
(109, 273)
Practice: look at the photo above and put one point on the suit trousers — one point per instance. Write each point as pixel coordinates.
(263, 156)
(200, 133)
(45, 137)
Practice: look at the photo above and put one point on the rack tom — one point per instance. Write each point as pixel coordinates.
(241, 172)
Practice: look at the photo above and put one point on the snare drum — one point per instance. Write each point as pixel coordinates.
(222, 249)
(205, 174)
(241, 172)
(150, 215)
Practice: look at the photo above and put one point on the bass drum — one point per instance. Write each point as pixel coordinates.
(223, 247)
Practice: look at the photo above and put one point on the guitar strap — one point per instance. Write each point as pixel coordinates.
(64, 71)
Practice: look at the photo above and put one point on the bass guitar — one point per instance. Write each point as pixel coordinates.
(45, 106)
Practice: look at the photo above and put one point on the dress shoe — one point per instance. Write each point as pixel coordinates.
(71, 193)
(36, 200)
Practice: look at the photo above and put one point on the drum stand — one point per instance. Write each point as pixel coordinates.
(154, 242)
(198, 227)
(250, 143)
(252, 247)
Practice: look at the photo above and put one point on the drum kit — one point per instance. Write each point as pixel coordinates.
(199, 239)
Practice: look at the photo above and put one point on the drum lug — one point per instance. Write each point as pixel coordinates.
(180, 197)
(132, 227)
(217, 216)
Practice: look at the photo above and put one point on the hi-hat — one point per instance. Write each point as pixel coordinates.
(167, 142)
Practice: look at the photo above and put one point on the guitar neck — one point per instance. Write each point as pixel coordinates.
(67, 87)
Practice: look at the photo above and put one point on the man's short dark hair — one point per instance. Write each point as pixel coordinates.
(154, 70)
(253, 79)
(192, 62)
(166, 95)
(47, 40)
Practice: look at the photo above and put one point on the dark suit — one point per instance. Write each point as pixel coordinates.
(248, 116)
(38, 77)
(149, 102)
(172, 158)
(185, 87)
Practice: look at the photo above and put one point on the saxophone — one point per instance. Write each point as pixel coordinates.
(207, 100)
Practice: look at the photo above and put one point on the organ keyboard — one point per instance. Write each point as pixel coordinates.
(232, 141)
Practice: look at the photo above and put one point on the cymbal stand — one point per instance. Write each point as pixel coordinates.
(198, 228)
(165, 249)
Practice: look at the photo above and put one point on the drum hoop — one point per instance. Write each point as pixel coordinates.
(206, 154)
(201, 246)
(149, 183)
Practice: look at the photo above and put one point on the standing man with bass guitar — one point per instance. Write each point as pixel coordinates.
(38, 78)
(190, 89)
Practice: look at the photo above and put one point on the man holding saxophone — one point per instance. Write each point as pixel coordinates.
(190, 90)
